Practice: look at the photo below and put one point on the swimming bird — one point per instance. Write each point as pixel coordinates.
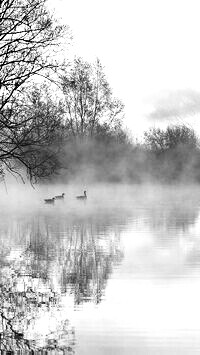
(49, 200)
(59, 197)
(83, 197)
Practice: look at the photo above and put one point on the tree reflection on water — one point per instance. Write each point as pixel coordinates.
(47, 257)
(88, 265)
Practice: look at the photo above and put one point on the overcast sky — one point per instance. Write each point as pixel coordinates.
(151, 53)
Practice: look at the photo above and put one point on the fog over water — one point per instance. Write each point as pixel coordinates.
(115, 274)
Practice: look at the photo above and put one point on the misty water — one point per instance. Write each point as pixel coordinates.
(116, 274)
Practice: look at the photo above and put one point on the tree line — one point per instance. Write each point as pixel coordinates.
(68, 123)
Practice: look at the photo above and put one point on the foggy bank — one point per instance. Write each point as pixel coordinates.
(111, 156)
(92, 162)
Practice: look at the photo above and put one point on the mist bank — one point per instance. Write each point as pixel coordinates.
(165, 156)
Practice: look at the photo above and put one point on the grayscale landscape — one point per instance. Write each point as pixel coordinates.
(99, 178)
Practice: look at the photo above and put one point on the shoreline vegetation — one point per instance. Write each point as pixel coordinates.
(67, 125)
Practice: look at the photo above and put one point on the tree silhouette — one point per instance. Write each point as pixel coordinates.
(88, 99)
(29, 41)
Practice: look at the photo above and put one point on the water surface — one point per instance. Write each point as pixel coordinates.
(119, 274)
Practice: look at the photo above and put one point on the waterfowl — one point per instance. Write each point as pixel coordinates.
(49, 200)
(83, 197)
(59, 197)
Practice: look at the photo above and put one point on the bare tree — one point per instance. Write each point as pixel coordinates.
(27, 34)
(29, 41)
(173, 153)
(38, 133)
(88, 99)
(160, 140)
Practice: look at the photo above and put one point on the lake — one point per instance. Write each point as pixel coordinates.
(116, 274)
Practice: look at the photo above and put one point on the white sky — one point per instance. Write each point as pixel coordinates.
(148, 48)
